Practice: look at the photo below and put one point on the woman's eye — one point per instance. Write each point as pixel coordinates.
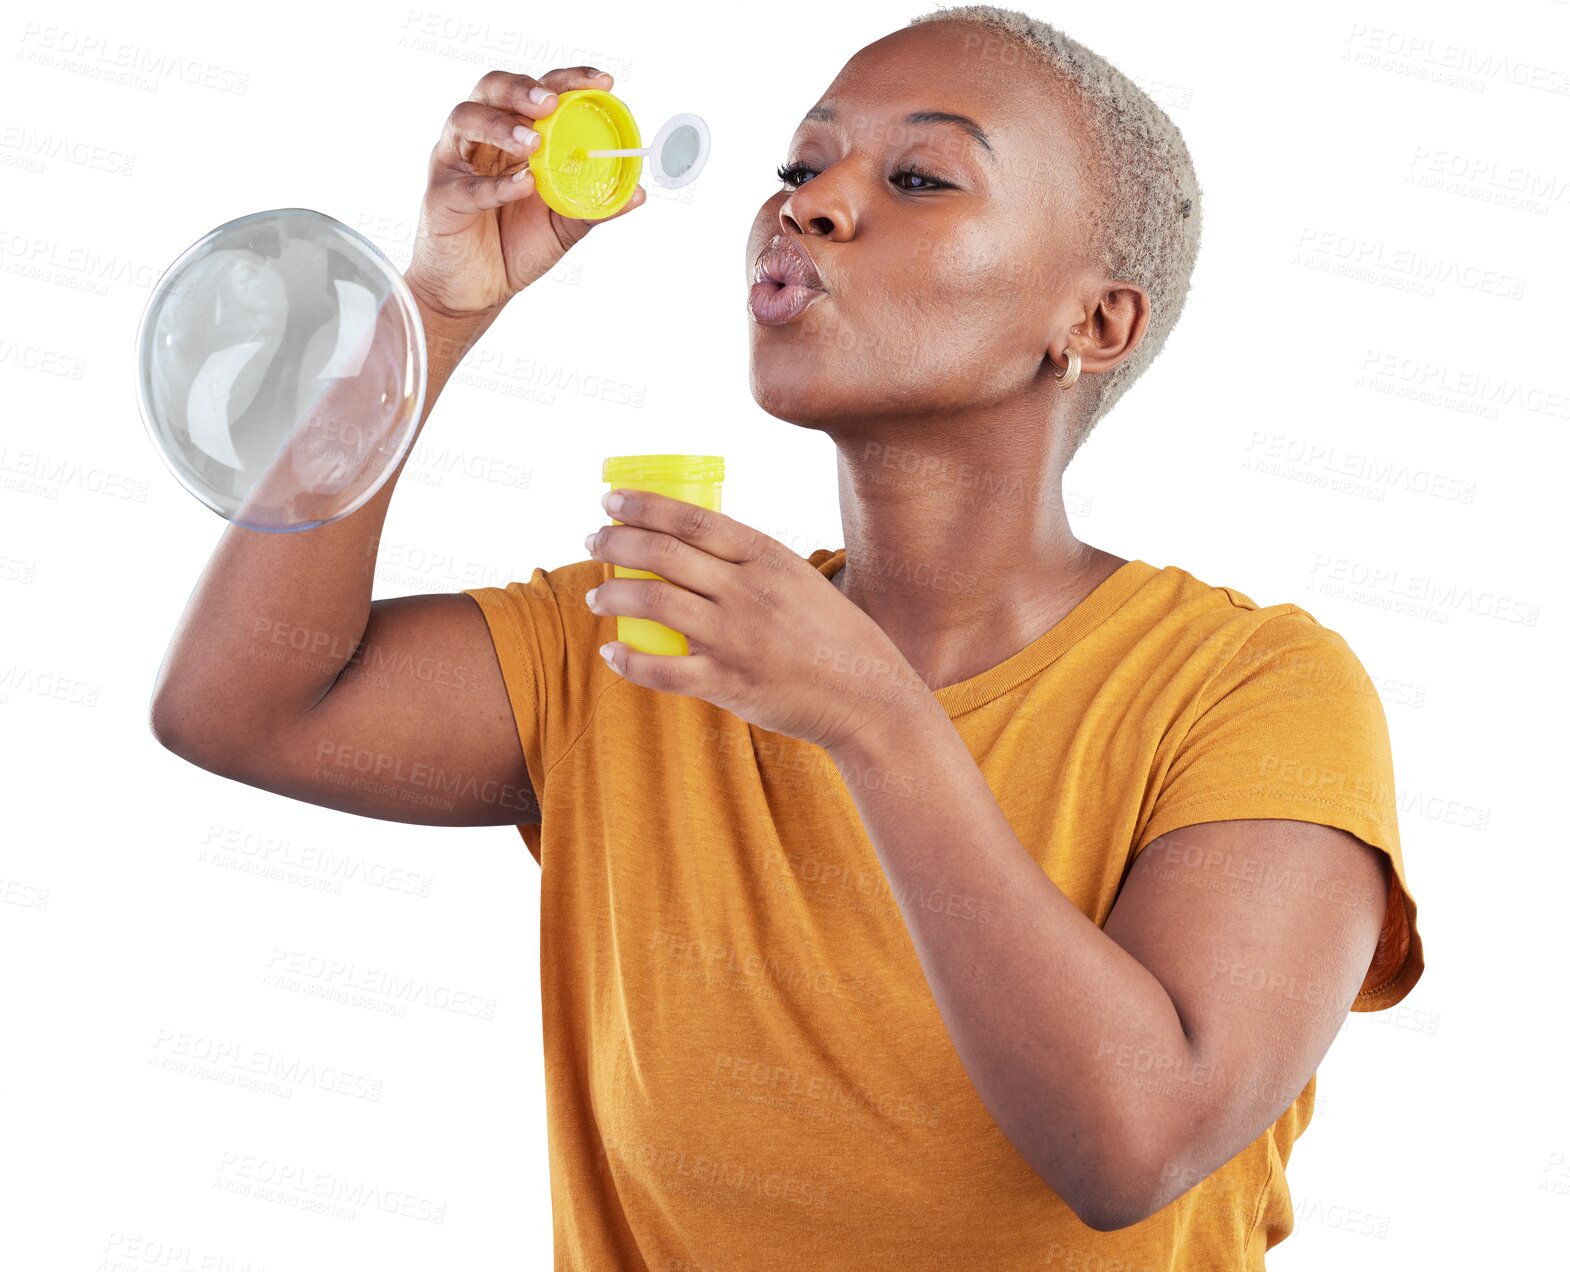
(796, 175)
(928, 181)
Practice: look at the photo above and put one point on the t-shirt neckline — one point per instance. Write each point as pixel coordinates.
(1098, 603)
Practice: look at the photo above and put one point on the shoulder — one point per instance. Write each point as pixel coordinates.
(1222, 633)
(546, 639)
(563, 580)
(548, 598)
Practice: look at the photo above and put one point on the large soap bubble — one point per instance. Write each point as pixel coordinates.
(282, 369)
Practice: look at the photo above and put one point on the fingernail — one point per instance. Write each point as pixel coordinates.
(588, 541)
(588, 597)
(525, 135)
(612, 501)
(538, 94)
(605, 653)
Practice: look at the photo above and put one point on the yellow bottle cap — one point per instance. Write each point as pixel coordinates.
(663, 468)
(565, 175)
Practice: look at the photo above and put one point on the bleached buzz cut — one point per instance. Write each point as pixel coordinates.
(1148, 218)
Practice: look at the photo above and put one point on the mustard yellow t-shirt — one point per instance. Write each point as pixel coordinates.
(745, 1069)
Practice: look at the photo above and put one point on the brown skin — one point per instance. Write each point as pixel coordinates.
(1039, 1001)
(962, 302)
(283, 673)
(1044, 1007)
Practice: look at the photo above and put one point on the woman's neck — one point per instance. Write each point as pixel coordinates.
(960, 562)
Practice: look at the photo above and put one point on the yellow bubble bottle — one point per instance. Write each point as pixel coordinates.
(590, 156)
(693, 479)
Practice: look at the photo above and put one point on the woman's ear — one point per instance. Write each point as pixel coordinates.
(1114, 322)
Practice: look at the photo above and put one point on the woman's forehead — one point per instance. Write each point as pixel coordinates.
(930, 69)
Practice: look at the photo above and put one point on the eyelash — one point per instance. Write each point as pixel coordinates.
(784, 172)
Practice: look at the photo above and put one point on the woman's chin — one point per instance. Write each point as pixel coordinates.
(792, 390)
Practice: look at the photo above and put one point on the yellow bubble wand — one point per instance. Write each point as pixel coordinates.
(590, 154)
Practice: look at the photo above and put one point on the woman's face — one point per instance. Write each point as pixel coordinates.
(949, 261)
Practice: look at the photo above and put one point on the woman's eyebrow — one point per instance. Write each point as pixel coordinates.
(826, 113)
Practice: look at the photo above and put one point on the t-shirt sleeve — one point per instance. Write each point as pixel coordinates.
(546, 643)
(1292, 727)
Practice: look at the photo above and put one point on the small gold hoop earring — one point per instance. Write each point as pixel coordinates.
(1066, 378)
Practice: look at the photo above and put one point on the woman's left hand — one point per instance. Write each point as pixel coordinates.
(770, 637)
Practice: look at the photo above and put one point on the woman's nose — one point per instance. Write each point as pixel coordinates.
(826, 212)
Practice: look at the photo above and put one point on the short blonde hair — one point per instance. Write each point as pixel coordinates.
(1149, 198)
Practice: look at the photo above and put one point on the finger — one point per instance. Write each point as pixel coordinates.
(473, 124)
(671, 673)
(693, 524)
(500, 94)
(507, 91)
(639, 197)
(662, 554)
(580, 226)
(563, 78)
(695, 617)
(463, 193)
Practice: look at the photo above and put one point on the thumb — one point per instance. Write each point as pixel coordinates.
(639, 196)
(580, 228)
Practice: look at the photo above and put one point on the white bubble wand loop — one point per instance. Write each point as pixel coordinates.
(677, 153)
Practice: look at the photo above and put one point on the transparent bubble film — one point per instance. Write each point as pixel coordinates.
(281, 366)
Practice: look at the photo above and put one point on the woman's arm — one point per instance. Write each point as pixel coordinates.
(282, 672)
(1229, 1002)
(1043, 1007)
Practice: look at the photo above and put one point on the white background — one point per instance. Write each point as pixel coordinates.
(1364, 403)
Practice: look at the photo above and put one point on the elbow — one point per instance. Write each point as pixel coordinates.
(1112, 1210)
(1111, 1215)
(169, 719)
(202, 737)
(164, 723)
(170, 723)
(177, 728)
(1120, 1188)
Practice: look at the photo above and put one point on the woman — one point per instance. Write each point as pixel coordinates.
(969, 896)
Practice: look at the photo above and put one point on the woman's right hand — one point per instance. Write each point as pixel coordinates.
(484, 237)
